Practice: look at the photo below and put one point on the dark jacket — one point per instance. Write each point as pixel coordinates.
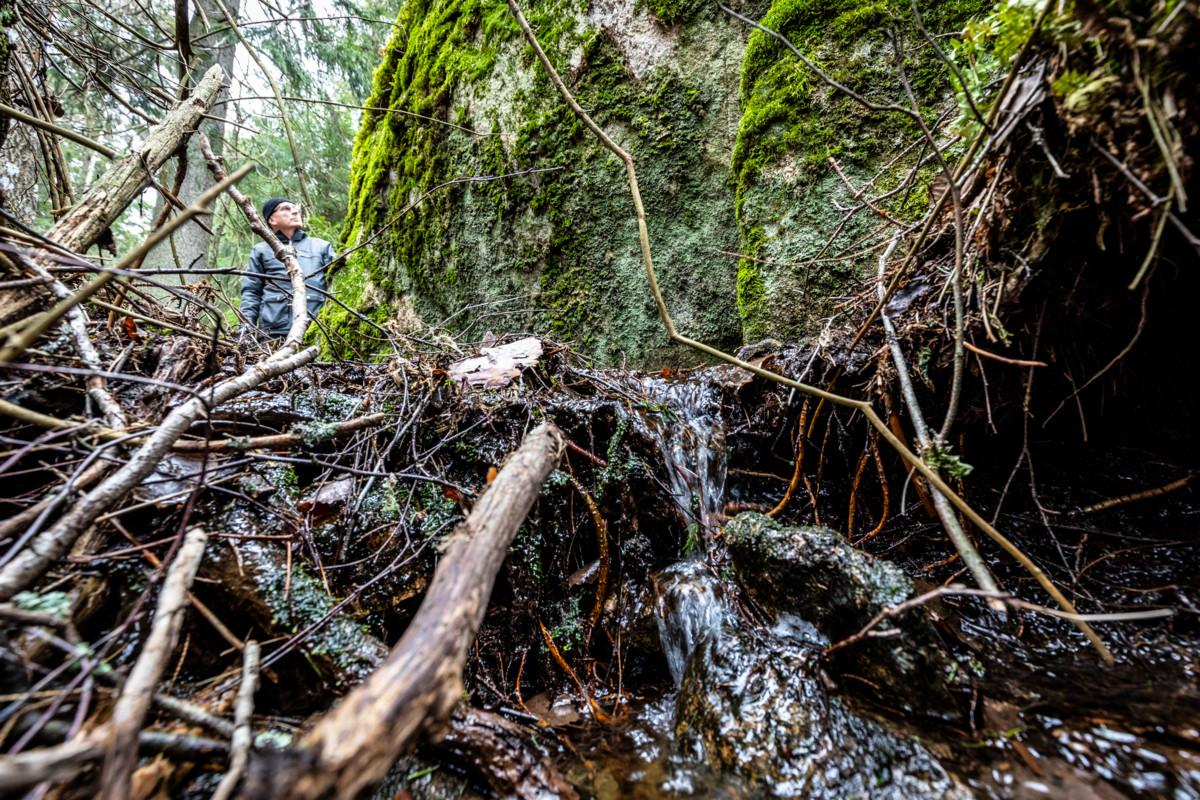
(267, 291)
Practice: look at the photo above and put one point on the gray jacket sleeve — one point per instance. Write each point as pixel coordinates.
(252, 287)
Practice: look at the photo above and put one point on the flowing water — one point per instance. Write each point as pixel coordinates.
(684, 418)
(748, 712)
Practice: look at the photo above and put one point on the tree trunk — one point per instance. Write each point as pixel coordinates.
(352, 747)
(188, 246)
(18, 142)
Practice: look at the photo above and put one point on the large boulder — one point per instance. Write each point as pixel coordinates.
(816, 574)
(475, 184)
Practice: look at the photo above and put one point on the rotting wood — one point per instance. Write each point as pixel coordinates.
(82, 226)
(352, 747)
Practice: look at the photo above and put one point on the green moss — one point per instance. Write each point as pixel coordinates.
(563, 241)
(794, 121)
(674, 12)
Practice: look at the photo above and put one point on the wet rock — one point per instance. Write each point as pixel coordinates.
(750, 705)
(256, 581)
(814, 573)
(817, 574)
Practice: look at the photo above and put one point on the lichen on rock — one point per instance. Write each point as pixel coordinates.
(478, 186)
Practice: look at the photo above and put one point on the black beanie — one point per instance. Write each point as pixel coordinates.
(269, 207)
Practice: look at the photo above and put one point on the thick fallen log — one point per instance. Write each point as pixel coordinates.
(82, 226)
(352, 747)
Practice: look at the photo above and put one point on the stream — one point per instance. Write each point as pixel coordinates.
(972, 705)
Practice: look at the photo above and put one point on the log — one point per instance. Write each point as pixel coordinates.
(500, 750)
(83, 225)
(412, 694)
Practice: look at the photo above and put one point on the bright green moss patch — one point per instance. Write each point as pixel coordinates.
(793, 122)
(560, 244)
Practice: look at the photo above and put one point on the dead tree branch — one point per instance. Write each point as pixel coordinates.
(353, 746)
(242, 734)
(130, 710)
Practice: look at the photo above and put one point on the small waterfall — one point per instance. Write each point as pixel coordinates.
(684, 417)
(690, 608)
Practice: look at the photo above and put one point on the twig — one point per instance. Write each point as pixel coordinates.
(243, 712)
(958, 536)
(131, 707)
(846, 90)
(66, 133)
(1020, 362)
(604, 560)
(1154, 243)
(955, 590)
(1134, 497)
(858, 405)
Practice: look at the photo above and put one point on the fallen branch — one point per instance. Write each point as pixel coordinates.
(242, 734)
(352, 747)
(134, 701)
(956, 590)
(962, 543)
(279, 440)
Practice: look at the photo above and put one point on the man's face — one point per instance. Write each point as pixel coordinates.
(285, 215)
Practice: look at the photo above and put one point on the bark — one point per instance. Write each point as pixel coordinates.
(124, 180)
(352, 747)
(189, 245)
(18, 141)
(500, 751)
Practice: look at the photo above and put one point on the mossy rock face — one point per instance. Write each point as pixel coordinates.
(802, 252)
(816, 574)
(728, 140)
(813, 572)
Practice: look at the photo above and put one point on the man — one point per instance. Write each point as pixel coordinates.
(267, 290)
